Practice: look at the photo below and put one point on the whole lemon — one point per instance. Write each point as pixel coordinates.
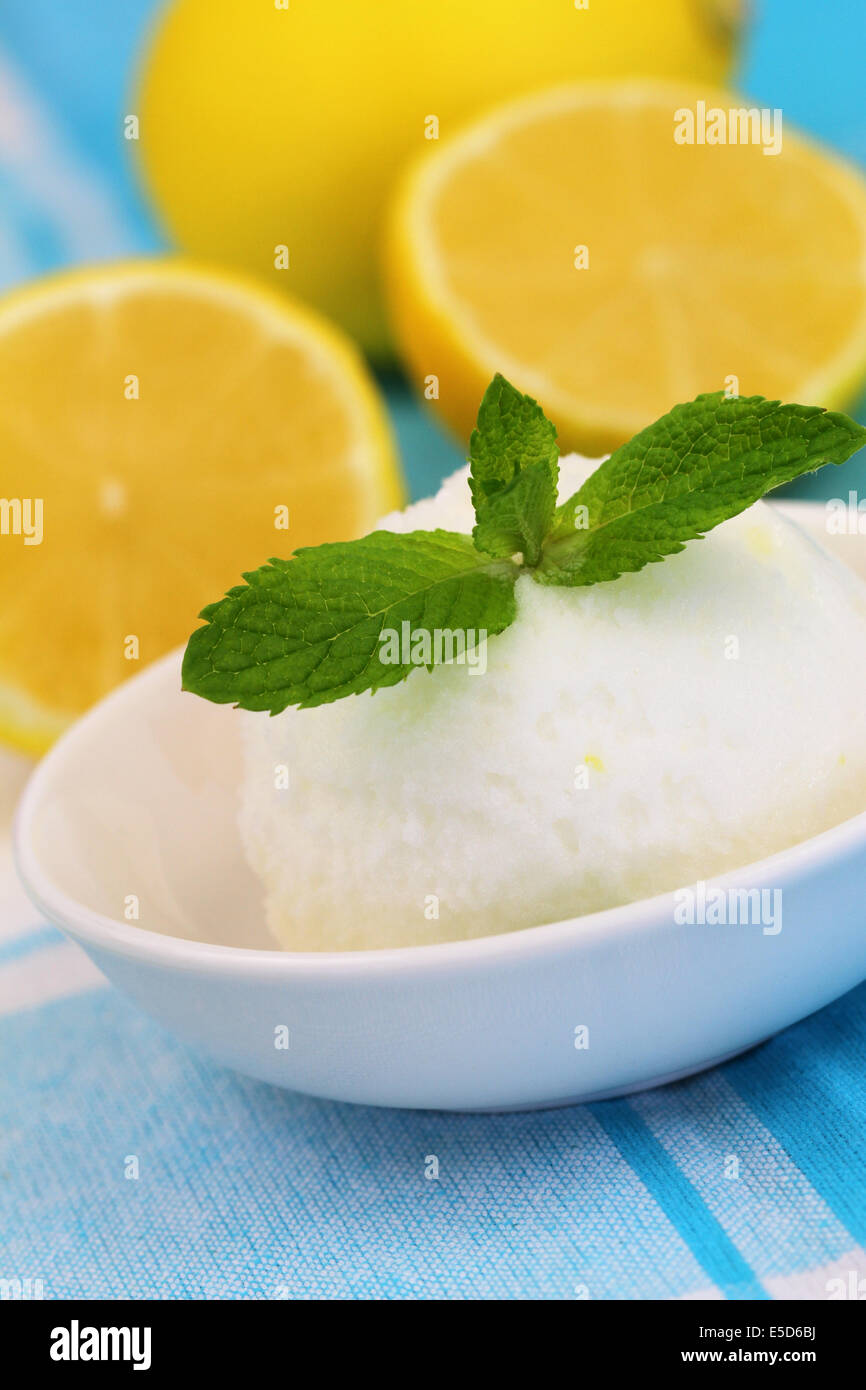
(271, 132)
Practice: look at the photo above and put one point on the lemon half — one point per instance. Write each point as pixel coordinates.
(167, 428)
(570, 242)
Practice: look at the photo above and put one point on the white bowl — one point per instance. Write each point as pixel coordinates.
(137, 804)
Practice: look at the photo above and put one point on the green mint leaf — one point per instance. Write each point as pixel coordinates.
(700, 464)
(514, 467)
(309, 630)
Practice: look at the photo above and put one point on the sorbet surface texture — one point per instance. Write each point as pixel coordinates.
(625, 739)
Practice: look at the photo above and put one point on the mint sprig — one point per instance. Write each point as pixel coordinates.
(342, 618)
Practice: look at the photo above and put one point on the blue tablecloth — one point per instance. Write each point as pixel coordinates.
(131, 1168)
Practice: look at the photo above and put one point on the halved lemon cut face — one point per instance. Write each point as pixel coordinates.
(578, 242)
(162, 429)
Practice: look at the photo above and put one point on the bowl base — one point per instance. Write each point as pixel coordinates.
(592, 1096)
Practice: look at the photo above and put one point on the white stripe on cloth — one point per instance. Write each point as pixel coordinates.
(55, 972)
(844, 1278)
(17, 914)
(49, 178)
(768, 1208)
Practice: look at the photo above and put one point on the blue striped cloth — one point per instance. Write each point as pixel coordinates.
(129, 1167)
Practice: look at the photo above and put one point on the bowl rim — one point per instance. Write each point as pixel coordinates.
(156, 948)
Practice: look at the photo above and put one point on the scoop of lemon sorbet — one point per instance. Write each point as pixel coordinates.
(623, 740)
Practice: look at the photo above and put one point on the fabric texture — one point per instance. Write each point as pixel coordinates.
(129, 1167)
